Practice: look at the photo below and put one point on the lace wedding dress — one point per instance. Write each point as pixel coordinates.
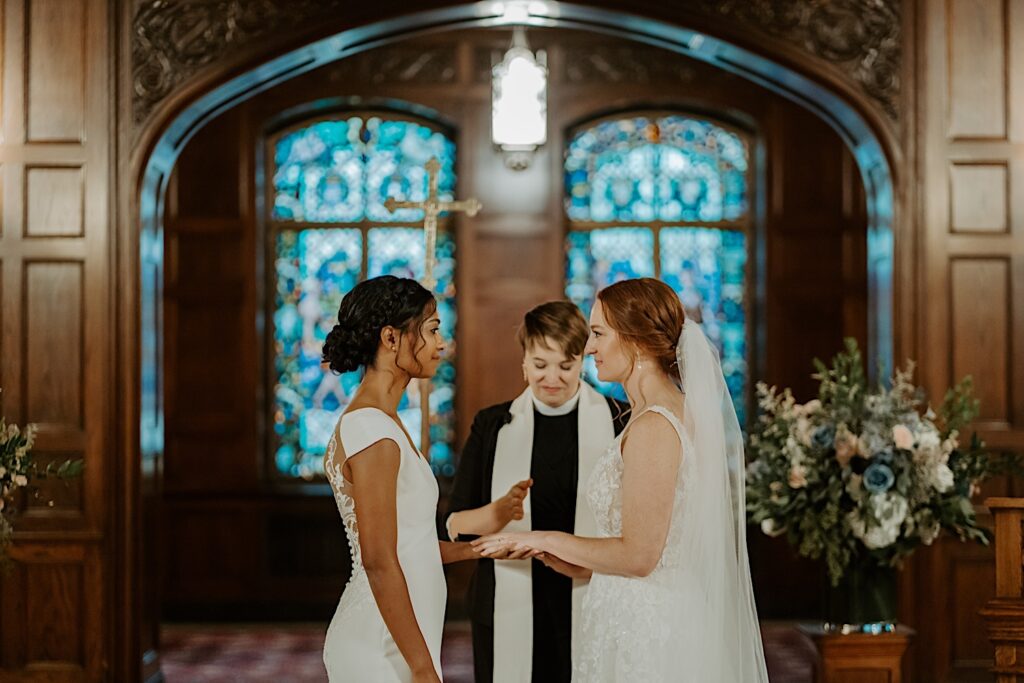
(692, 619)
(359, 646)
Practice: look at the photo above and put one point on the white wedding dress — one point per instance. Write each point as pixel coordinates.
(692, 619)
(359, 648)
(632, 630)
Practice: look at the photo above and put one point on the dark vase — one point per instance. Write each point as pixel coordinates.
(864, 600)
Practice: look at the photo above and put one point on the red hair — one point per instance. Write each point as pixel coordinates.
(647, 315)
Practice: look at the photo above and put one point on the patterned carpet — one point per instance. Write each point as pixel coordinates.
(277, 653)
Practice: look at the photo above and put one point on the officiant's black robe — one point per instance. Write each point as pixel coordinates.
(554, 470)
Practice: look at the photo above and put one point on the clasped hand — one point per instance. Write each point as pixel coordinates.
(509, 545)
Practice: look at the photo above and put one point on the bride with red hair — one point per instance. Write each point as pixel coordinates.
(670, 596)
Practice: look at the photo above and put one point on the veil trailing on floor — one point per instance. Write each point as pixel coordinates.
(715, 538)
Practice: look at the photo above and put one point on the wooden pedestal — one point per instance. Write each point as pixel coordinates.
(858, 657)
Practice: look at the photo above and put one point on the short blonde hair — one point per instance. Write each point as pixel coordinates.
(559, 321)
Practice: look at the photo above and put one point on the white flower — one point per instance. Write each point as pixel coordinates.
(794, 451)
(803, 430)
(770, 528)
(949, 445)
(20, 480)
(943, 478)
(887, 512)
(902, 437)
(928, 439)
(3, 471)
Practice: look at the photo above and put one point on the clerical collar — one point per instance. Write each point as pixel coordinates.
(564, 409)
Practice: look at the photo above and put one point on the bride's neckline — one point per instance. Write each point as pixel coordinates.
(398, 423)
(662, 410)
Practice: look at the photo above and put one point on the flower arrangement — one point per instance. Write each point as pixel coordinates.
(17, 471)
(863, 476)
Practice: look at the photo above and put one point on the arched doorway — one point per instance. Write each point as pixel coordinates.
(167, 138)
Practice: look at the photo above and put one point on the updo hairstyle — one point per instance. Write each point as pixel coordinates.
(648, 316)
(370, 306)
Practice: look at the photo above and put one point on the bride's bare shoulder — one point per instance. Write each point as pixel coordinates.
(651, 433)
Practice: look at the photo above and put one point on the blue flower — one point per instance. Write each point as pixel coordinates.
(824, 436)
(878, 478)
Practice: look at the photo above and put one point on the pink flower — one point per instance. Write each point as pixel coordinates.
(798, 477)
(846, 445)
(903, 437)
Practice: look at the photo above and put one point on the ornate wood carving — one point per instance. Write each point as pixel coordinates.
(398, 64)
(623, 64)
(173, 39)
(863, 37)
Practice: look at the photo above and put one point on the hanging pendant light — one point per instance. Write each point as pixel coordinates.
(519, 102)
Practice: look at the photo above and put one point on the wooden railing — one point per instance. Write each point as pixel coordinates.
(1004, 614)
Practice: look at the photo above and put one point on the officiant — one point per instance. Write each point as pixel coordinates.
(525, 466)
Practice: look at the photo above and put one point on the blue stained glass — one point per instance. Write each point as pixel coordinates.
(598, 258)
(707, 268)
(313, 271)
(343, 171)
(656, 170)
(668, 168)
(400, 251)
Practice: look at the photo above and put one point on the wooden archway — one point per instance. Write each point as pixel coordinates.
(861, 120)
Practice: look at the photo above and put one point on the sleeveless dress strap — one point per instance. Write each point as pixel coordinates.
(362, 428)
(668, 415)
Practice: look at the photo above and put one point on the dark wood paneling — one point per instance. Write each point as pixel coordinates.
(54, 344)
(56, 64)
(971, 254)
(980, 334)
(55, 201)
(44, 626)
(976, 31)
(57, 331)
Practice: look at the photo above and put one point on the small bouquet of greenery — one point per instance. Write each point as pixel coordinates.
(863, 475)
(18, 470)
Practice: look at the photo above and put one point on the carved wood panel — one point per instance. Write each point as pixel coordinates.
(170, 42)
(56, 329)
(970, 71)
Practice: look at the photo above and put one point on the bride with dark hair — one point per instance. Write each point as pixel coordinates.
(390, 618)
(670, 595)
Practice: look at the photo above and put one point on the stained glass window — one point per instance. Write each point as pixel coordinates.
(664, 196)
(337, 175)
(667, 168)
(343, 171)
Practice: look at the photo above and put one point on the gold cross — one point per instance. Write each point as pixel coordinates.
(432, 207)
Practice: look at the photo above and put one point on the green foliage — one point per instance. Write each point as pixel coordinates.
(864, 475)
(19, 471)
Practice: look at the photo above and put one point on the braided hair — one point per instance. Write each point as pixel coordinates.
(370, 306)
